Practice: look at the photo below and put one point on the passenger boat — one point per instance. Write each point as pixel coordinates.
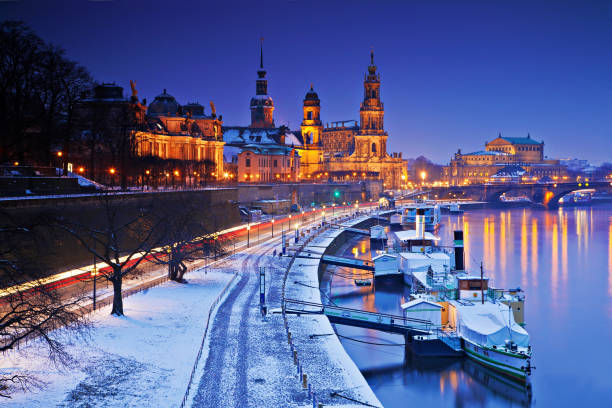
(431, 216)
(491, 337)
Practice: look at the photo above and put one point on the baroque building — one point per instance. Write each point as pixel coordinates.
(503, 156)
(171, 131)
(364, 153)
(314, 153)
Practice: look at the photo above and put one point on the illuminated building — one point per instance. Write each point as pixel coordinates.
(172, 131)
(523, 155)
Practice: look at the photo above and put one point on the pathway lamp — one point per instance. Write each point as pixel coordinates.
(248, 235)
(272, 227)
(289, 221)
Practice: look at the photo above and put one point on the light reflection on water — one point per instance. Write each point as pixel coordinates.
(561, 259)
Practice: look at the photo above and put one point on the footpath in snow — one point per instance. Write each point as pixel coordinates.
(142, 359)
(250, 362)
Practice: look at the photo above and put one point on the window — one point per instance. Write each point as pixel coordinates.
(248, 162)
(309, 115)
(275, 163)
(373, 147)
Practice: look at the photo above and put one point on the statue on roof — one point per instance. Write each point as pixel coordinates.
(133, 86)
(212, 109)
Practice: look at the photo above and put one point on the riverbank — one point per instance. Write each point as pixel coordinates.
(332, 374)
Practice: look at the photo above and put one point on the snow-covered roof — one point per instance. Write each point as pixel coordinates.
(384, 256)
(419, 301)
(239, 135)
(486, 153)
(408, 235)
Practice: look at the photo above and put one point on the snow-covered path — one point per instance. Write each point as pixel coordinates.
(249, 362)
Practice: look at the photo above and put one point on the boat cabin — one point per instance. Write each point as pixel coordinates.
(412, 241)
(472, 287)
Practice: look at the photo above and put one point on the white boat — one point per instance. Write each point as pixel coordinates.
(491, 337)
(395, 222)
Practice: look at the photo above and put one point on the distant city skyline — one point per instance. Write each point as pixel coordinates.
(453, 75)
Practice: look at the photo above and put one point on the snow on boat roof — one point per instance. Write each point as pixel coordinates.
(414, 255)
(418, 301)
(384, 255)
(471, 277)
(412, 235)
(489, 324)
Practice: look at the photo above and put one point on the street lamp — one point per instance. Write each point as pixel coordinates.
(423, 176)
(248, 235)
(273, 227)
(289, 221)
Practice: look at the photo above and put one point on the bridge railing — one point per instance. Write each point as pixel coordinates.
(303, 307)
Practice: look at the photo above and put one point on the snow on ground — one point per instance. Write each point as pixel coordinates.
(328, 366)
(144, 358)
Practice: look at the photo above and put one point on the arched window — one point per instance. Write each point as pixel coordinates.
(309, 115)
(373, 147)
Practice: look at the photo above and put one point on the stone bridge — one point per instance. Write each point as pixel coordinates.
(544, 193)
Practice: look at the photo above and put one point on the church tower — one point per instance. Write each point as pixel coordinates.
(262, 106)
(371, 140)
(311, 122)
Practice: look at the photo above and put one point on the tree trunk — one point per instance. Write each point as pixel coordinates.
(117, 298)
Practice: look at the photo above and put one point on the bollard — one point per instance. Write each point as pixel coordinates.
(289, 337)
(309, 391)
(314, 399)
(304, 381)
(295, 357)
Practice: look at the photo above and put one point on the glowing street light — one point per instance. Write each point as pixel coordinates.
(272, 227)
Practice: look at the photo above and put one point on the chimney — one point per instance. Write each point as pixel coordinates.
(459, 253)
(420, 223)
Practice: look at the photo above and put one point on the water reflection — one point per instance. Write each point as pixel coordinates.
(537, 251)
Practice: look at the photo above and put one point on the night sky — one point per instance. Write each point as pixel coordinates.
(453, 74)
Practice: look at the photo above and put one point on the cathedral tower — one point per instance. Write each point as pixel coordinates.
(311, 122)
(262, 106)
(371, 140)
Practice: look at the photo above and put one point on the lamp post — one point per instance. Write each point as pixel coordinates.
(272, 226)
(289, 221)
(248, 235)
(423, 177)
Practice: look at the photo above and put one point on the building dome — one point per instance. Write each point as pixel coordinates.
(193, 108)
(164, 104)
(261, 100)
(108, 91)
(311, 95)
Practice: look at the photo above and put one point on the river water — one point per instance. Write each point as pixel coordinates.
(562, 259)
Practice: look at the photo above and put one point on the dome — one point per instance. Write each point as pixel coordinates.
(311, 95)
(194, 108)
(163, 104)
(108, 91)
(261, 100)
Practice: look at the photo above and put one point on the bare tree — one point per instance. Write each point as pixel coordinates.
(27, 310)
(189, 235)
(125, 232)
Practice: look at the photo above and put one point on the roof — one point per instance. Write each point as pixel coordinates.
(521, 140)
(383, 256)
(241, 135)
(412, 235)
(486, 153)
(419, 301)
(471, 277)
(270, 149)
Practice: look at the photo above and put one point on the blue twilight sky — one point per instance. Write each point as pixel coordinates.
(454, 74)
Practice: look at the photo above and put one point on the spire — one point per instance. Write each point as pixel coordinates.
(261, 53)
(372, 56)
(311, 87)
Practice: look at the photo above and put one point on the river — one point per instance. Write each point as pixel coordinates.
(561, 259)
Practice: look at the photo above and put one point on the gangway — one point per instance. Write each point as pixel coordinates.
(351, 229)
(360, 318)
(349, 262)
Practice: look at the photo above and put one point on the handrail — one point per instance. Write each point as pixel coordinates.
(347, 309)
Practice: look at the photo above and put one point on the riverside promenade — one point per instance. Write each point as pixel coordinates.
(249, 362)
